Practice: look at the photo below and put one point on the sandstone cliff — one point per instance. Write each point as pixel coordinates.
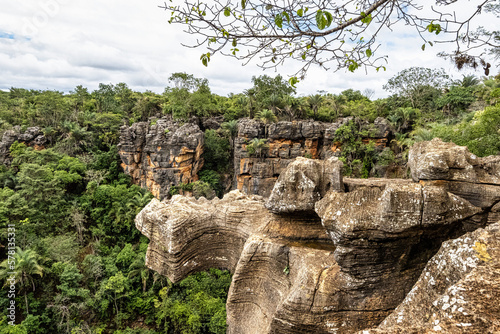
(337, 256)
(161, 153)
(287, 141)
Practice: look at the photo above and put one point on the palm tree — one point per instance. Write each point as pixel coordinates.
(315, 102)
(268, 117)
(242, 101)
(256, 146)
(274, 102)
(232, 128)
(118, 213)
(26, 266)
(138, 267)
(251, 99)
(138, 202)
(469, 81)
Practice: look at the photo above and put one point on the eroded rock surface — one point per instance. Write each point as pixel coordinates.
(160, 155)
(287, 141)
(303, 183)
(458, 291)
(347, 265)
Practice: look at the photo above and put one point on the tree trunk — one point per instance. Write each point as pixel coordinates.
(26, 301)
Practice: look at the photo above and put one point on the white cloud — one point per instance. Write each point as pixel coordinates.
(60, 44)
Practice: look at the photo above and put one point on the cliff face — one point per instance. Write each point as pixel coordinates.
(330, 255)
(166, 153)
(287, 141)
(158, 156)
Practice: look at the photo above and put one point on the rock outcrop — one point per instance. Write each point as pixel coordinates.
(458, 291)
(287, 141)
(303, 183)
(349, 263)
(160, 155)
(32, 137)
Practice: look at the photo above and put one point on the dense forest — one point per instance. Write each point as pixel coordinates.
(79, 258)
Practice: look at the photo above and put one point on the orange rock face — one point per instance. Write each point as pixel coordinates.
(158, 159)
(285, 141)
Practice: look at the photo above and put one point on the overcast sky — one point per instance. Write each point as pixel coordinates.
(59, 44)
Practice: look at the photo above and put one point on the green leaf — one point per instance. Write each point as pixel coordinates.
(423, 47)
(243, 4)
(353, 66)
(366, 18)
(329, 18)
(234, 42)
(300, 12)
(227, 11)
(430, 43)
(278, 19)
(287, 16)
(368, 52)
(320, 20)
(293, 81)
(205, 58)
(304, 56)
(323, 19)
(436, 28)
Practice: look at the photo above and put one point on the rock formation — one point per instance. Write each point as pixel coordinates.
(160, 155)
(32, 137)
(458, 291)
(165, 153)
(347, 264)
(286, 141)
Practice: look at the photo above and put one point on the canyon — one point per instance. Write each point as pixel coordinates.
(313, 252)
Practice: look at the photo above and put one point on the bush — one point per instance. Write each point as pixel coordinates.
(203, 189)
(217, 153)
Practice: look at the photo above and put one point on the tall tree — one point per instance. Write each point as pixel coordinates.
(409, 83)
(25, 267)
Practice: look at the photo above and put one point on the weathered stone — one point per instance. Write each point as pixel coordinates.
(458, 291)
(158, 156)
(457, 170)
(340, 269)
(304, 182)
(438, 160)
(188, 235)
(250, 128)
(287, 141)
(212, 123)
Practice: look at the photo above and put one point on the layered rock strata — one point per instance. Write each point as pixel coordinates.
(286, 141)
(160, 155)
(342, 267)
(32, 137)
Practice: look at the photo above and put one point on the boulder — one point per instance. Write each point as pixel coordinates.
(303, 183)
(33, 137)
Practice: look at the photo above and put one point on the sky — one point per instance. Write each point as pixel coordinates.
(60, 44)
